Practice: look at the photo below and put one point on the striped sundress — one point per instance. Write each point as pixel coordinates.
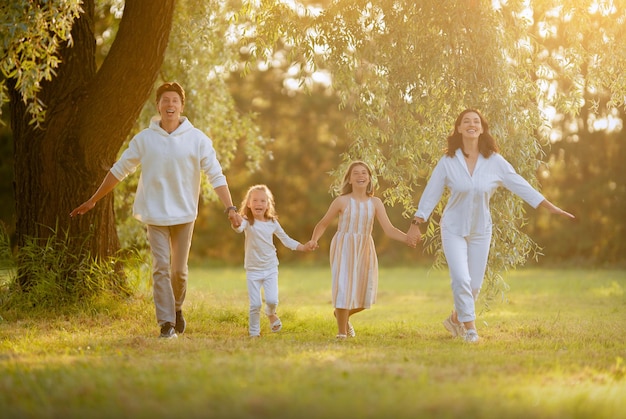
(353, 259)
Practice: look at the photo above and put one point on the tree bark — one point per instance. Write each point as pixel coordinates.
(90, 113)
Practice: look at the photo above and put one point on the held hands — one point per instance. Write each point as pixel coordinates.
(235, 218)
(413, 236)
(307, 247)
(311, 245)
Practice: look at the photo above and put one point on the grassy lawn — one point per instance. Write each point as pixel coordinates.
(555, 349)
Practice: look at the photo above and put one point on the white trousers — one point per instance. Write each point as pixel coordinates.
(170, 253)
(467, 262)
(268, 280)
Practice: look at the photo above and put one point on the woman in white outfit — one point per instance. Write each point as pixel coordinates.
(472, 170)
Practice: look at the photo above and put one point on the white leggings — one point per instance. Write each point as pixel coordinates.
(467, 261)
(268, 280)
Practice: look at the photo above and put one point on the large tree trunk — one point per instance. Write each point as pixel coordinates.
(90, 113)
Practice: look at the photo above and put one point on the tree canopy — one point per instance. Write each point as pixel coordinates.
(397, 73)
(406, 69)
(32, 34)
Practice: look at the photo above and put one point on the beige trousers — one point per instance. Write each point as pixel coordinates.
(170, 252)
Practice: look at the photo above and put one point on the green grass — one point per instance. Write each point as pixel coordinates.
(556, 349)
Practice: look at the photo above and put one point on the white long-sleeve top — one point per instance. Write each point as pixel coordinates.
(467, 210)
(260, 252)
(171, 166)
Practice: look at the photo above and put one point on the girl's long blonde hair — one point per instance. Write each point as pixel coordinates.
(270, 212)
(346, 186)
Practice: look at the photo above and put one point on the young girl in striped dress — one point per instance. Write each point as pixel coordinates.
(353, 259)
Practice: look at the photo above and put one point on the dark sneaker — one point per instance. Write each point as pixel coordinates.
(181, 324)
(168, 332)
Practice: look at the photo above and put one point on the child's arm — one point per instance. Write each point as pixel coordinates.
(334, 209)
(287, 241)
(383, 219)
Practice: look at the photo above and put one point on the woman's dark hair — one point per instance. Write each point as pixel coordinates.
(486, 143)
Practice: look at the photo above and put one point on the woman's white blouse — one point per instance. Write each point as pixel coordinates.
(467, 210)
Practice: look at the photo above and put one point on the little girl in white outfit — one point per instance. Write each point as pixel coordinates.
(260, 224)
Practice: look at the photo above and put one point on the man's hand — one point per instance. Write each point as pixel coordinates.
(83, 208)
(234, 218)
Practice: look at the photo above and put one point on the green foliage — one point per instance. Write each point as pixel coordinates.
(577, 49)
(201, 55)
(581, 76)
(59, 280)
(405, 71)
(400, 72)
(30, 36)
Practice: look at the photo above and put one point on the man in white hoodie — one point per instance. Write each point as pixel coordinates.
(172, 154)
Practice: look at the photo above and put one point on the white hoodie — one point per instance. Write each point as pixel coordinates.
(171, 166)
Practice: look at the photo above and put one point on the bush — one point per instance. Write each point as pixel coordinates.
(46, 275)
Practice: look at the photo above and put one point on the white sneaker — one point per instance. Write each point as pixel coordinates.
(471, 336)
(351, 333)
(456, 329)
